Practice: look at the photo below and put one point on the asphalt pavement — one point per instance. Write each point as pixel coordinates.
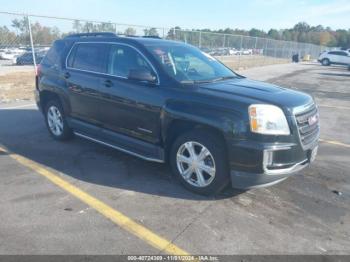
(306, 214)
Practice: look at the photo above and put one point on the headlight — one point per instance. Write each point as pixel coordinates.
(268, 120)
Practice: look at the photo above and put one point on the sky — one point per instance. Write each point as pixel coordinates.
(190, 14)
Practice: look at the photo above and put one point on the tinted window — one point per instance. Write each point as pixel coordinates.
(53, 55)
(89, 57)
(338, 53)
(123, 58)
(185, 63)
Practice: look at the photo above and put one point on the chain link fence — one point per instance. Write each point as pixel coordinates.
(24, 40)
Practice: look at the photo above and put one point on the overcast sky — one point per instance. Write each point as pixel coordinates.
(213, 14)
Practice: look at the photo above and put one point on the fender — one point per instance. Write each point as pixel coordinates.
(226, 121)
(49, 85)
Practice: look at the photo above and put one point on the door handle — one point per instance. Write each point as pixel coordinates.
(76, 88)
(66, 75)
(107, 83)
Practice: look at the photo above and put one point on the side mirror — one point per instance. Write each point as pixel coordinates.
(141, 75)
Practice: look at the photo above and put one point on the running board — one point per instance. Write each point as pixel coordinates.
(119, 148)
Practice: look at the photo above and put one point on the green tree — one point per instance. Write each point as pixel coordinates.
(287, 35)
(44, 35)
(342, 38)
(151, 32)
(105, 27)
(7, 37)
(173, 33)
(21, 25)
(130, 31)
(302, 27)
(274, 34)
(257, 33)
(89, 27)
(77, 26)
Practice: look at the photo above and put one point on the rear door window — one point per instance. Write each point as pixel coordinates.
(88, 57)
(338, 53)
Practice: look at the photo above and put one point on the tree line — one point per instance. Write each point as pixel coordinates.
(301, 32)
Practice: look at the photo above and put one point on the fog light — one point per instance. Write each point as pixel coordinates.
(268, 158)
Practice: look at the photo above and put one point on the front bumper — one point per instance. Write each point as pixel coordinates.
(245, 180)
(265, 164)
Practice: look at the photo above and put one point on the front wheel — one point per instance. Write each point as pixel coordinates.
(326, 62)
(56, 122)
(200, 162)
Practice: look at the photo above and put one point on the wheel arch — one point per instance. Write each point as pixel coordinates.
(178, 127)
(48, 95)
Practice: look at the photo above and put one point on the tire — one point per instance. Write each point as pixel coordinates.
(215, 162)
(325, 62)
(56, 122)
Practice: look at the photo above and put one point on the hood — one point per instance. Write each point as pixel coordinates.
(258, 92)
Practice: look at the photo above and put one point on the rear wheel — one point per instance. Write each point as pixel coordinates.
(326, 62)
(199, 160)
(56, 122)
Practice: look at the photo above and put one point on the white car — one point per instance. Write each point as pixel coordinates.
(334, 57)
(234, 51)
(247, 52)
(10, 54)
(3, 51)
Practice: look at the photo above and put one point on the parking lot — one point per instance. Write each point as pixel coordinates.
(83, 198)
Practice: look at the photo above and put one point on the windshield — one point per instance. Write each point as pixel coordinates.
(187, 64)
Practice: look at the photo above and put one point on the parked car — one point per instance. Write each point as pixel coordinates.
(3, 51)
(205, 50)
(167, 101)
(247, 52)
(221, 51)
(10, 54)
(27, 58)
(234, 51)
(334, 57)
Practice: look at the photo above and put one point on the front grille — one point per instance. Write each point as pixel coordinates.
(308, 132)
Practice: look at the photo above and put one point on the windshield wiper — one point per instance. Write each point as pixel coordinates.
(187, 81)
(207, 81)
(223, 78)
(195, 81)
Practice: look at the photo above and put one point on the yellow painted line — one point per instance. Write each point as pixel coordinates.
(336, 107)
(115, 216)
(337, 143)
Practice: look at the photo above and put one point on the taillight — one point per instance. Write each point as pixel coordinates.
(37, 76)
(38, 70)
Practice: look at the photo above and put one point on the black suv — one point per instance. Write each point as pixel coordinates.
(167, 101)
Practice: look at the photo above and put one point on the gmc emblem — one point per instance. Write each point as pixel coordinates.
(312, 120)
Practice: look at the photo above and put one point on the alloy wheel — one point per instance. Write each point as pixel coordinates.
(55, 120)
(196, 164)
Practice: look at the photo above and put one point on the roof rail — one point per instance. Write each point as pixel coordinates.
(152, 36)
(138, 36)
(96, 34)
